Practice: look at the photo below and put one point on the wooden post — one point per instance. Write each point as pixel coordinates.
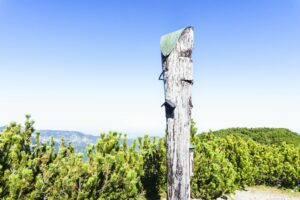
(176, 49)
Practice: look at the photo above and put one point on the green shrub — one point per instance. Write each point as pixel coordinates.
(214, 175)
(223, 162)
(267, 136)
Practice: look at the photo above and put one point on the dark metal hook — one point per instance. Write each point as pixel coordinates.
(188, 81)
(161, 74)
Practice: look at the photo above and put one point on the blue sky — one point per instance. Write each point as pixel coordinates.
(93, 65)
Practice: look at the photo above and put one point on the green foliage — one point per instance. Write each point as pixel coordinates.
(154, 166)
(263, 135)
(230, 162)
(193, 130)
(35, 171)
(115, 170)
(213, 173)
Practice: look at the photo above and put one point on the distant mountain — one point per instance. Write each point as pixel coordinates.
(78, 139)
(2, 128)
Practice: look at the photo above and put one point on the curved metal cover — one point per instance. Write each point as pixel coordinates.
(168, 41)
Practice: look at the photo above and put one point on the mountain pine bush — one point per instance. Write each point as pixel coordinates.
(223, 162)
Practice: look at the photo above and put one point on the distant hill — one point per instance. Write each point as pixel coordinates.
(78, 139)
(2, 128)
(263, 135)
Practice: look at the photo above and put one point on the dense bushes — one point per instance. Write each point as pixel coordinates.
(263, 135)
(115, 170)
(223, 164)
(213, 173)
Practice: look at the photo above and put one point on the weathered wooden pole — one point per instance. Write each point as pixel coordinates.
(176, 49)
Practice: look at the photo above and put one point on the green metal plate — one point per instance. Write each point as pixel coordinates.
(168, 41)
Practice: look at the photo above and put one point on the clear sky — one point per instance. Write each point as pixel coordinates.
(93, 66)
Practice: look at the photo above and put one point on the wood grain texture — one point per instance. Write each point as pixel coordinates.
(179, 67)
